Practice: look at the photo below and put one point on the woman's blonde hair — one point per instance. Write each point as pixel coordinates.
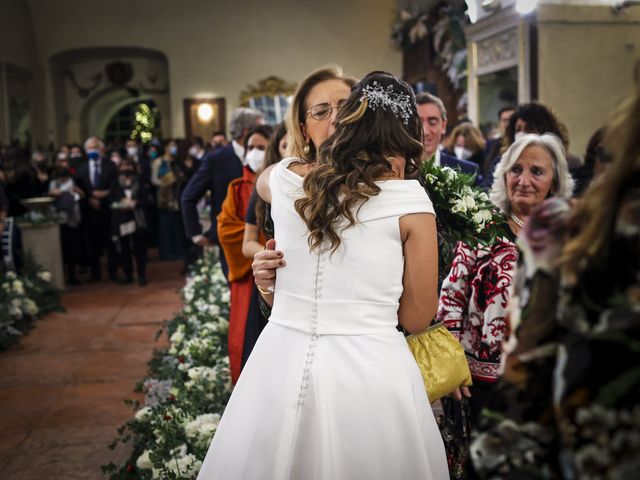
(296, 115)
(592, 221)
(473, 139)
(562, 180)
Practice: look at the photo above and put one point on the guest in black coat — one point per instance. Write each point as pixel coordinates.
(96, 178)
(128, 223)
(216, 171)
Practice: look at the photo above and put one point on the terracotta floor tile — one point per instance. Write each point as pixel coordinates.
(111, 365)
(146, 314)
(38, 368)
(61, 462)
(91, 404)
(23, 407)
(62, 388)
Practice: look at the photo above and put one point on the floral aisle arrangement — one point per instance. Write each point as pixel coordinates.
(24, 298)
(463, 212)
(187, 387)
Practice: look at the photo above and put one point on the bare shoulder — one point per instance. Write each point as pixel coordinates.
(262, 184)
(419, 224)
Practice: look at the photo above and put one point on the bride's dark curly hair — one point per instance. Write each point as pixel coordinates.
(355, 156)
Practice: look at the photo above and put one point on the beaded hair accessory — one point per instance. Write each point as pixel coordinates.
(398, 103)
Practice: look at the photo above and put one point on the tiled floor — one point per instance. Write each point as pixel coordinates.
(62, 389)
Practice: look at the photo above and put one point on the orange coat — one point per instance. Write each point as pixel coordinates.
(231, 221)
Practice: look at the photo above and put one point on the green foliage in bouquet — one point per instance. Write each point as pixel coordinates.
(187, 387)
(23, 299)
(463, 212)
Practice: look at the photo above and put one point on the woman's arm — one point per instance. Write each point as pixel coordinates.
(250, 243)
(419, 299)
(455, 292)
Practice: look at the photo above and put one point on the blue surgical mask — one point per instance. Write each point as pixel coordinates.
(93, 154)
(173, 151)
(153, 154)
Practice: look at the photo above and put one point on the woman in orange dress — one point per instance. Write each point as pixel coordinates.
(231, 223)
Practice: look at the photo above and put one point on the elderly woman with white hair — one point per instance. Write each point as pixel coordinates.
(474, 296)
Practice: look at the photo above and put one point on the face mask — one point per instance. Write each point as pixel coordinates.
(126, 178)
(519, 135)
(62, 156)
(41, 164)
(217, 146)
(64, 173)
(462, 153)
(255, 159)
(132, 151)
(115, 160)
(153, 155)
(75, 156)
(173, 151)
(93, 154)
(193, 151)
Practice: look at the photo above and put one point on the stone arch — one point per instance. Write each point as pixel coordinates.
(87, 92)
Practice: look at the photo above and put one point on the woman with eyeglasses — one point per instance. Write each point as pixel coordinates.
(331, 390)
(310, 121)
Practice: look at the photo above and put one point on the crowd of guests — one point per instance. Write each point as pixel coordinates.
(112, 200)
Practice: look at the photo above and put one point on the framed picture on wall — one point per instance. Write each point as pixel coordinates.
(203, 116)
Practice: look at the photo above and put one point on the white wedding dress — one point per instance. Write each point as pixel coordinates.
(331, 391)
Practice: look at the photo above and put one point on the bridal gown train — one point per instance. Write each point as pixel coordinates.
(331, 391)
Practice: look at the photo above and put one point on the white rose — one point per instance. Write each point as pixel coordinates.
(45, 276)
(30, 307)
(142, 414)
(143, 462)
(177, 337)
(214, 309)
(18, 287)
(469, 202)
(16, 303)
(226, 296)
(450, 173)
(10, 275)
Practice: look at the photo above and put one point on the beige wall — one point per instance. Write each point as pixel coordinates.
(586, 60)
(17, 44)
(218, 47)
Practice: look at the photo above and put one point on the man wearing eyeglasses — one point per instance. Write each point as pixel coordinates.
(217, 169)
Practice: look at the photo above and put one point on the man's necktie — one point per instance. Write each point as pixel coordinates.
(96, 173)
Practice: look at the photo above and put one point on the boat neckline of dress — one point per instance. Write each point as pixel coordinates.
(286, 167)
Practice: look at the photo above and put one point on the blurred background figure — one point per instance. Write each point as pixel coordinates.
(96, 178)
(467, 143)
(128, 222)
(164, 175)
(67, 202)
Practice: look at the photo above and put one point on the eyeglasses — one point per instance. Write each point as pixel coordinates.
(322, 111)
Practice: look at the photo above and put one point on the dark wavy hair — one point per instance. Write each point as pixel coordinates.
(540, 119)
(354, 157)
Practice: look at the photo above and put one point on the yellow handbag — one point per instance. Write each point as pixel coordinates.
(441, 360)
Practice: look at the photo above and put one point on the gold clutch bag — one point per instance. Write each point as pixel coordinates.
(441, 360)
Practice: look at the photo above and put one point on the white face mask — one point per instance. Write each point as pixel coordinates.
(193, 151)
(519, 135)
(132, 151)
(255, 159)
(462, 152)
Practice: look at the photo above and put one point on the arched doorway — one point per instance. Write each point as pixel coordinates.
(91, 85)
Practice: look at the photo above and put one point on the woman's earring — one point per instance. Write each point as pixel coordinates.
(306, 149)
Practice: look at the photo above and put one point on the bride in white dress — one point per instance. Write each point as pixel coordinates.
(331, 390)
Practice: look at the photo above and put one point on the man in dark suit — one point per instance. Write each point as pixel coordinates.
(217, 169)
(96, 178)
(434, 123)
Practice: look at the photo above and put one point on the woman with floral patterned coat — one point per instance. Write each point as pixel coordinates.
(474, 296)
(568, 403)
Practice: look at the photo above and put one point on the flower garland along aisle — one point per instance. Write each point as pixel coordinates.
(24, 298)
(463, 212)
(187, 387)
